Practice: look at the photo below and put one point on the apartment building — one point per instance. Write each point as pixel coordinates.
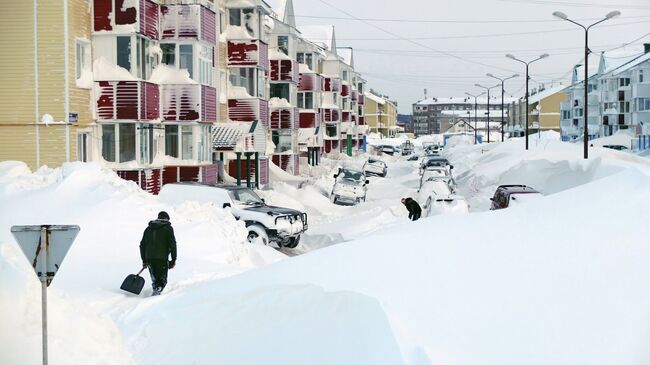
(543, 111)
(381, 114)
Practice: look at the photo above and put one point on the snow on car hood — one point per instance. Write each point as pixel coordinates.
(272, 209)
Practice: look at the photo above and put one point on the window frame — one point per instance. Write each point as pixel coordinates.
(83, 61)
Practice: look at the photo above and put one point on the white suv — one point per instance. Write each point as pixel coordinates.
(349, 187)
(274, 225)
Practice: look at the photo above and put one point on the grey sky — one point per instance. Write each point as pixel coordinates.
(403, 69)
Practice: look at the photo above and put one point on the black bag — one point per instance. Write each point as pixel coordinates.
(133, 283)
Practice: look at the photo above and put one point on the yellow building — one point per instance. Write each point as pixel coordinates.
(381, 115)
(47, 81)
(544, 108)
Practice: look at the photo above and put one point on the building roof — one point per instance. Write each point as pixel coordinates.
(321, 35)
(545, 93)
(226, 135)
(375, 98)
(633, 63)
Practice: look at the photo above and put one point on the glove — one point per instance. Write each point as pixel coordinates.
(144, 264)
(172, 264)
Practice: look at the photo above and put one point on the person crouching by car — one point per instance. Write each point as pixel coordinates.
(413, 207)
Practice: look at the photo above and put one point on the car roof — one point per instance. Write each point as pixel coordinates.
(517, 189)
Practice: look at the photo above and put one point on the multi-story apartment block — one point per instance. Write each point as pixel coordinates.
(543, 111)
(310, 87)
(381, 114)
(46, 83)
(436, 116)
(617, 97)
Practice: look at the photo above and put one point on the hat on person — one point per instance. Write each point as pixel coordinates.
(163, 215)
(403, 200)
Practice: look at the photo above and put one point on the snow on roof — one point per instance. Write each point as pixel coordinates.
(226, 135)
(545, 93)
(164, 74)
(611, 60)
(375, 98)
(276, 54)
(321, 35)
(631, 64)
(235, 32)
(238, 92)
(346, 55)
(107, 71)
(240, 4)
(304, 69)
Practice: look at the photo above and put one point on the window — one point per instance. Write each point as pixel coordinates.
(186, 142)
(205, 145)
(623, 106)
(331, 130)
(625, 81)
(83, 59)
(234, 17)
(344, 75)
(222, 22)
(82, 147)
(205, 65)
(171, 140)
(640, 75)
(185, 59)
(282, 140)
(126, 141)
(261, 85)
(306, 100)
(283, 44)
(612, 85)
(124, 52)
(566, 114)
(144, 61)
(243, 77)
(643, 104)
(108, 142)
(169, 53)
(280, 91)
(306, 59)
(147, 148)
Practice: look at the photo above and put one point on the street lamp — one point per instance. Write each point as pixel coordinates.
(475, 105)
(381, 135)
(527, 78)
(488, 107)
(502, 92)
(563, 16)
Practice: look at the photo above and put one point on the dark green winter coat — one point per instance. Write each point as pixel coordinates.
(413, 207)
(158, 241)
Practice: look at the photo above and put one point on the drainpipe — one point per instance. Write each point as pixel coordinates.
(66, 87)
(257, 170)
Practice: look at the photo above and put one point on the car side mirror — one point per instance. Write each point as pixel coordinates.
(226, 205)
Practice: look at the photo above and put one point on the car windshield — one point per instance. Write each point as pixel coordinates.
(246, 196)
(349, 176)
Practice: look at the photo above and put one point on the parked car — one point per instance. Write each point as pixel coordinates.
(452, 204)
(389, 150)
(617, 147)
(432, 189)
(407, 148)
(505, 195)
(433, 171)
(375, 167)
(435, 161)
(350, 187)
(274, 225)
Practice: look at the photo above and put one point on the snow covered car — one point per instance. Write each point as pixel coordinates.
(389, 150)
(407, 148)
(349, 187)
(505, 195)
(452, 204)
(375, 167)
(274, 225)
(435, 161)
(432, 189)
(433, 171)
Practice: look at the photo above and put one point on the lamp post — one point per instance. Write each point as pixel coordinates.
(527, 78)
(475, 105)
(381, 135)
(502, 92)
(563, 16)
(488, 107)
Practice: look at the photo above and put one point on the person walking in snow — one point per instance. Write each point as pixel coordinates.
(413, 207)
(158, 242)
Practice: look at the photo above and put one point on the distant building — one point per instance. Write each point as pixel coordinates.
(381, 114)
(543, 111)
(406, 122)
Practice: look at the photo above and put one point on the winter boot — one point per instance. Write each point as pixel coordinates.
(156, 291)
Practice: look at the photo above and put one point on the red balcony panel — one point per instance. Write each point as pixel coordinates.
(308, 120)
(284, 70)
(105, 100)
(102, 11)
(148, 179)
(362, 99)
(248, 53)
(327, 84)
(243, 110)
(330, 115)
(310, 82)
(264, 113)
(346, 116)
(133, 100)
(208, 103)
(354, 95)
(282, 118)
(208, 25)
(362, 120)
(150, 95)
(180, 21)
(180, 102)
(124, 16)
(149, 19)
(345, 90)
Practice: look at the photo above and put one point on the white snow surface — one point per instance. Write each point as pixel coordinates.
(559, 279)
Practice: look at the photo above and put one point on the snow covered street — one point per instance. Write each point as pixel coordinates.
(561, 279)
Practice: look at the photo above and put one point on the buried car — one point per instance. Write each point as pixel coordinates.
(375, 167)
(506, 195)
(452, 204)
(273, 225)
(349, 187)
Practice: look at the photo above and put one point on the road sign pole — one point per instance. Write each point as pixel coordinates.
(43, 251)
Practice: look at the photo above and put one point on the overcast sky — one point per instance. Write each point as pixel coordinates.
(447, 46)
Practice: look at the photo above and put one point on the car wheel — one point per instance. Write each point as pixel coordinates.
(257, 231)
(293, 242)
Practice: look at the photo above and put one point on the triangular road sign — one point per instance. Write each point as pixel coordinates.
(55, 244)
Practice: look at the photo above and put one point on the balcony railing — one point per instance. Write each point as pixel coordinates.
(188, 21)
(127, 100)
(283, 118)
(330, 115)
(248, 53)
(248, 110)
(310, 82)
(189, 102)
(332, 84)
(284, 70)
(362, 99)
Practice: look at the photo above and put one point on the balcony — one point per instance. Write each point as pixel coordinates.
(332, 84)
(354, 95)
(362, 99)
(308, 119)
(310, 82)
(249, 110)
(248, 53)
(188, 21)
(330, 115)
(284, 70)
(346, 117)
(345, 90)
(362, 120)
(189, 102)
(126, 16)
(283, 118)
(127, 100)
